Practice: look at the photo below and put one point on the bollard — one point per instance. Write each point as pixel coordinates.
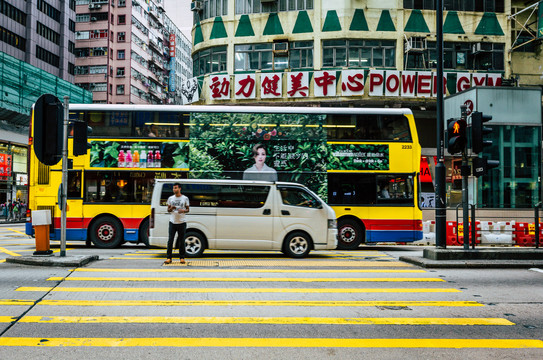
(536, 215)
(41, 220)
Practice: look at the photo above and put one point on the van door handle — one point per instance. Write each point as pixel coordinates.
(285, 212)
(266, 212)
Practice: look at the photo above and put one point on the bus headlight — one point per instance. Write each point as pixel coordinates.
(332, 223)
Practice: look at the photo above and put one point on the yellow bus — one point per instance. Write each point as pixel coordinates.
(364, 162)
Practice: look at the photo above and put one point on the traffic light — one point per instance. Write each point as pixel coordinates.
(478, 131)
(80, 145)
(48, 129)
(456, 130)
(482, 165)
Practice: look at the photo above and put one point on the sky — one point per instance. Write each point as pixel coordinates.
(179, 12)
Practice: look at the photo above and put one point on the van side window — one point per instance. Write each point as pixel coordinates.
(298, 197)
(243, 196)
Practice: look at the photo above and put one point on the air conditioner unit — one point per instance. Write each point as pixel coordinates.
(97, 6)
(196, 6)
(91, 6)
(93, 19)
(280, 48)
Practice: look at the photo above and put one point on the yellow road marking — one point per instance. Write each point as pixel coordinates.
(277, 262)
(277, 342)
(236, 303)
(6, 251)
(254, 320)
(248, 279)
(230, 257)
(17, 231)
(3, 260)
(236, 290)
(246, 270)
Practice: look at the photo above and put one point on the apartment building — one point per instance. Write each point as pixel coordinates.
(129, 52)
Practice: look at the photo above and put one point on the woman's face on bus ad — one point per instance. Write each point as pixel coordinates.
(260, 157)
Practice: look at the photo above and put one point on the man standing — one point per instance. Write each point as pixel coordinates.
(178, 206)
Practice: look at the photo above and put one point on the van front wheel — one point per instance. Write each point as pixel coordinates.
(297, 245)
(195, 244)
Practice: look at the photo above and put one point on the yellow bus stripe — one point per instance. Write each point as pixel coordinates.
(245, 270)
(236, 290)
(276, 342)
(255, 320)
(236, 303)
(233, 279)
(6, 251)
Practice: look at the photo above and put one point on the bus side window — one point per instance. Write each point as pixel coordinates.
(74, 184)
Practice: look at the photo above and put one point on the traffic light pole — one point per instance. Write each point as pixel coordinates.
(64, 184)
(465, 171)
(440, 203)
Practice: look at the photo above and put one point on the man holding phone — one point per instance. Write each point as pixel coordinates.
(178, 206)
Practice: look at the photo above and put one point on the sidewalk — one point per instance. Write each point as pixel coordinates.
(478, 258)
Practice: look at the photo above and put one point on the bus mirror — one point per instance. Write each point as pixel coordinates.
(48, 129)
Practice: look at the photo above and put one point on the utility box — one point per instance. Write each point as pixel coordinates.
(41, 220)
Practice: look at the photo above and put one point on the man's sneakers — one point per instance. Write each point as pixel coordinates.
(182, 261)
(168, 261)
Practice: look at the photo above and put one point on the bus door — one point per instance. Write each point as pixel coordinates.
(75, 229)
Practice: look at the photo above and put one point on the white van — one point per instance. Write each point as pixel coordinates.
(246, 215)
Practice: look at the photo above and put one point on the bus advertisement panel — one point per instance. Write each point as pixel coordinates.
(364, 162)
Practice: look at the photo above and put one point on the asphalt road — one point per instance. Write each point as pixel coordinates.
(248, 305)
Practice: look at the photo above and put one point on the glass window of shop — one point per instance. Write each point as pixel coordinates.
(259, 6)
(459, 56)
(209, 61)
(458, 5)
(359, 53)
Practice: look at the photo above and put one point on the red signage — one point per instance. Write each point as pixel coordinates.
(172, 45)
(425, 174)
(5, 165)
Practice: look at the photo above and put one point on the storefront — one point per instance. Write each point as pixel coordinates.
(13, 172)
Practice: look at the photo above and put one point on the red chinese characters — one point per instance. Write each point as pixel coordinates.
(324, 81)
(245, 86)
(271, 85)
(220, 87)
(298, 84)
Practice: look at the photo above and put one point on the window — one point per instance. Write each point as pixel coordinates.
(98, 34)
(47, 33)
(301, 54)
(292, 196)
(259, 57)
(209, 61)
(71, 68)
(48, 10)
(47, 56)
(458, 5)
(258, 6)
(121, 19)
(121, 36)
(525, 42)
(371, 189)
(74, 184)
(109, 186)
(120, 54)
(120, 89)
(12, 39)
(12, 12)
(212, 8)
(71, 47)
(225, 196)
(359, 53)
(368, 127)
(120, 72)
(122, 3)
(98, 69)
(82, 18)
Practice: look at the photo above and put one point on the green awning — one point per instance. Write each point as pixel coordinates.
(273, 26)
(331, 23)
(452, 24)
(416, 22)
(359, 22)
(198, 34)
(385, 22)
(244, 27)
(218, 31)
(489, 25)
(303, 24)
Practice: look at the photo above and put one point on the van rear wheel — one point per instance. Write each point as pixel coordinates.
(297, 245)
(195, 244)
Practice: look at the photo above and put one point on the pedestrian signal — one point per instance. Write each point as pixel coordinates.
(456, 131)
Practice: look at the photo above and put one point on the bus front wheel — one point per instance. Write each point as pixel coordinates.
(106, 232)
(349, 234)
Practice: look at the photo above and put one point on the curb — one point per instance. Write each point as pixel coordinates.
(76, 261)
(463, 264)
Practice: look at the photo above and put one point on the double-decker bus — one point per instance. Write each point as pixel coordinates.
(364, 162)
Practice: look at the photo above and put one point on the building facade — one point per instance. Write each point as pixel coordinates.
(37, 56)
(361, 54)
(129, 52)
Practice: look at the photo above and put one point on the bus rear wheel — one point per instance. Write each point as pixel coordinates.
(143, 236)
(349, 235)
(106, 232)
